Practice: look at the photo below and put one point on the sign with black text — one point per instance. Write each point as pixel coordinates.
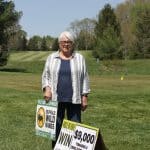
(76, 136)
(46, 115)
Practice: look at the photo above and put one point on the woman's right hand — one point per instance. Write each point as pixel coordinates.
(47, 94)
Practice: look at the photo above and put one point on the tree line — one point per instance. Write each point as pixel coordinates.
(120, 33)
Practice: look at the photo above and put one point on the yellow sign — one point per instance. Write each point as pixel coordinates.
(75, 136)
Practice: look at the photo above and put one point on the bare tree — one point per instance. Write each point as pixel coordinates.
(84, 33)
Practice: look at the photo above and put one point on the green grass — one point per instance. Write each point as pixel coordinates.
(120, 108)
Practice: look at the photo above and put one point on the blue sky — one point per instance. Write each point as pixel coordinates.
(51, 17)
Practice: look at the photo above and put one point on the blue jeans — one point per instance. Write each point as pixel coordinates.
(73, 113)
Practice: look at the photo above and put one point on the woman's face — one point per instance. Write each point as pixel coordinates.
(66, 45)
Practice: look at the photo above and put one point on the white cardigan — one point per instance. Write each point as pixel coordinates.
(79, 74)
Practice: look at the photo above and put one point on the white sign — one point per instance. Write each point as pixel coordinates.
(46, 115)
(76, 136)
(84, 138)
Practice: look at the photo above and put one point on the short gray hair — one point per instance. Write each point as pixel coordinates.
(66, 34)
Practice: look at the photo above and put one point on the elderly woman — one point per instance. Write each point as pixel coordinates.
(65, 79)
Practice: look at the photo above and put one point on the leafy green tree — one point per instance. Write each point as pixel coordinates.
(55, 45)
(133, 15)
(8, 21)
(35, 43)
(107, 30)
(49, 42)
(123, 13)
(141, 29)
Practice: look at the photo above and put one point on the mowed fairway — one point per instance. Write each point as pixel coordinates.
(120, 108)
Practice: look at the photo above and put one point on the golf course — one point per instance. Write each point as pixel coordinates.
(119, 102)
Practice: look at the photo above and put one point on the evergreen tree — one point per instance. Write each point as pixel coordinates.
(44, 44)
(8, 21)
(106, 18)
(107, 30)
(108, 45)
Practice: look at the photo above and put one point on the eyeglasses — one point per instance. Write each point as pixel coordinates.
(66, 42)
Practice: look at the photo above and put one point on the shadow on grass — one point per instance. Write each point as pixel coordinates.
(13, 70)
